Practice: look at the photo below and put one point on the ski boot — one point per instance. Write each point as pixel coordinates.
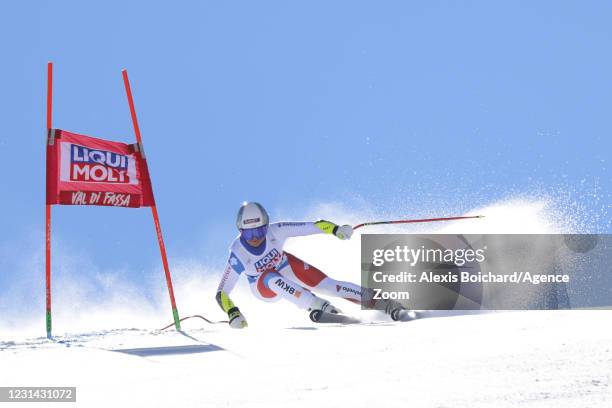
(394, 309)
(320, 306)
(400, 314)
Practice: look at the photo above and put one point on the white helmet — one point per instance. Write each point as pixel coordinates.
(251, 215)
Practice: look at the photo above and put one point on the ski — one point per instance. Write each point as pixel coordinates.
(319, 316)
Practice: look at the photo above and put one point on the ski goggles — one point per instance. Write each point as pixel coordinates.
(254, 233)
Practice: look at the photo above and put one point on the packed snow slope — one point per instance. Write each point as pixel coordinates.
(108, 346)
(527, 359)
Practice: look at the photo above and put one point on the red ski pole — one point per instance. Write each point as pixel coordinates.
(417, 220)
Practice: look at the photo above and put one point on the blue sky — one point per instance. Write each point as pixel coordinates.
(404, 107)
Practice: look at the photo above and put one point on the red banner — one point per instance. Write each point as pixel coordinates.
(84, 170)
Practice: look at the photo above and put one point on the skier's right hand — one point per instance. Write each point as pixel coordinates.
(236, 319)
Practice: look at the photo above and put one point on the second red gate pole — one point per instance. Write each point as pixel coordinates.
(160, 239)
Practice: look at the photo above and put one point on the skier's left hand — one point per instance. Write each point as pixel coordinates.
(344, 232)
(236, 319)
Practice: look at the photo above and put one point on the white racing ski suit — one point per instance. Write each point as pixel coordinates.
(274, 274)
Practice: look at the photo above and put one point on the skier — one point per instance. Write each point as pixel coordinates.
(274, 274)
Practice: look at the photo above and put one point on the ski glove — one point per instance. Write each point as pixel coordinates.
(342, 232)
(236, 319)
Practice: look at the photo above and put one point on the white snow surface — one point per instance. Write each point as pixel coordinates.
(108, 346)
(524, 359)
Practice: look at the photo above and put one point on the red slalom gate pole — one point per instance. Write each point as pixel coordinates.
(416, 221)
(48, 207)
(160, 239)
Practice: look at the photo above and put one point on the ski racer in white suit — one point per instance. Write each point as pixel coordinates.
(273, 273)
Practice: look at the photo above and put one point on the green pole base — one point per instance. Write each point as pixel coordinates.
(48, 320)
(177, 320)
